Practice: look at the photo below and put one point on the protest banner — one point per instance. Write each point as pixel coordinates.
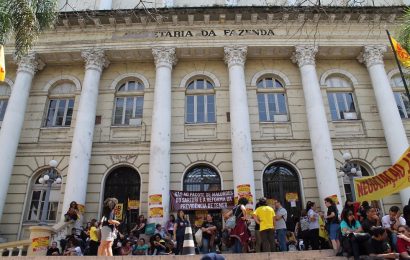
(392, 180)
(118, 211)
(187, 200)
(40, 243)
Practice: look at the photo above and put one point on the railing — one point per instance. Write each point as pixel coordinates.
(16, 248)
(19, 248)
(61, 230)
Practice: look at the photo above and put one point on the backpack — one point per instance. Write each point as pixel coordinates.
(231, 221)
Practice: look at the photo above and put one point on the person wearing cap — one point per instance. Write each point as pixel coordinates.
(264, 215)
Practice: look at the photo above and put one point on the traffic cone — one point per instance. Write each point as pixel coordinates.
(189, 245)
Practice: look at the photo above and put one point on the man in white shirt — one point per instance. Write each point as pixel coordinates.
(281, 217)
(391, 223)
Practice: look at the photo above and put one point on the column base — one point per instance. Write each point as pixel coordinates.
(40, 237)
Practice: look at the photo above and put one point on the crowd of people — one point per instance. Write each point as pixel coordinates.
(359, 230)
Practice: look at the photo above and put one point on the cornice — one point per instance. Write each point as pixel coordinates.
(228, 15)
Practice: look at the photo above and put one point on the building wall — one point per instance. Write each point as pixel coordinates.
(191, 144)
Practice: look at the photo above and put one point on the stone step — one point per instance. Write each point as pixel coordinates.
(300, 255)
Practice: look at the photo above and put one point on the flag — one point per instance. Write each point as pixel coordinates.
(402, 54)
(2, 64)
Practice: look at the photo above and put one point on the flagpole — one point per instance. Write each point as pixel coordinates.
(398, 64)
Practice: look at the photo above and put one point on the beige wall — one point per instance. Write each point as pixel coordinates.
(114, 146)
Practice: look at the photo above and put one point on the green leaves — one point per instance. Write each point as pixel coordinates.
(404, 35)
(26, 19)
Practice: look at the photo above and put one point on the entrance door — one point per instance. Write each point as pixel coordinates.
(203, 178)
(124, 183)
(279, 179)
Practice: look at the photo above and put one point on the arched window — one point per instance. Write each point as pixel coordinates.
(402, 101)
(200, 102)
(271, 100)
(124, 183)
(5, 92)
(202, 178)
(341, 98)
(281, 180)
(129, 103)
(37, 198)
(60, 105)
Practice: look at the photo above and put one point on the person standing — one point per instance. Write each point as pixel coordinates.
(94, 243)
(108, 227)
(240, 233)
(313, 217)
(265, 217)
(281, 216)
(179, 230)
(258, 240)
(170, 225)
(333, 224)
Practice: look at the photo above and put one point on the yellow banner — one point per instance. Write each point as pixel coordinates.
(386, 183)
(118, 211)
(2, 64)
(133, 204)
(40, 243)
(156, 212)
(291, 196)
(155, 199)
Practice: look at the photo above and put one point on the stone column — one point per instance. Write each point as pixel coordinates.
(14, 118)
(159, 162)
(397, 142)
(324, 161)
(77, 176)
(105, 4)
(242, 161)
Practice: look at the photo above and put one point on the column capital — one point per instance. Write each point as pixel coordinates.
(372, 55)
(95, 59)
(304, 55)
(235, 55)
(164, 56)
(30, 63)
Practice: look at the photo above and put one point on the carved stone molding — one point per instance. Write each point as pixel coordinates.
(95, 59)
(304, 55)
(164, 56)
(372, 55)
(235, 55)
(30, 63)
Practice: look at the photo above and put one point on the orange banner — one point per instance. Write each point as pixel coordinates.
(40, 243)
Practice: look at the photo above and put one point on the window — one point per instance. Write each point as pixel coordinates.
(129, 103)
(38, 195)
(271, 100)
(402, 101)
(341, 99)
(346, 181)
(60, 105)
(200, 102)
(4, 98)
(202, 178)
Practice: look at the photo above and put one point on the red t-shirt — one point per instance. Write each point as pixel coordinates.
(403, 246)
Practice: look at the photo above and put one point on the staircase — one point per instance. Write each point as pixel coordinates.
(316, 255)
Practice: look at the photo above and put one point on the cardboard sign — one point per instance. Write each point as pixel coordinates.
(118, 211)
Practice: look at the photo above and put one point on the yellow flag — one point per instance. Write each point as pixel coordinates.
(402, 54)
(2, 64)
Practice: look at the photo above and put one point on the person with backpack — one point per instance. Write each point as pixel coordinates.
(237, 220)
(333, 224)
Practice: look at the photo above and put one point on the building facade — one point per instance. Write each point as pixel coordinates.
(261, 100)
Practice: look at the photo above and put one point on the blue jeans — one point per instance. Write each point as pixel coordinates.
(282, 239)
(237, 247)
(205, 246)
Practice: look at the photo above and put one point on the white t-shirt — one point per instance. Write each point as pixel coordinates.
(387, 222)
(313, 224)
